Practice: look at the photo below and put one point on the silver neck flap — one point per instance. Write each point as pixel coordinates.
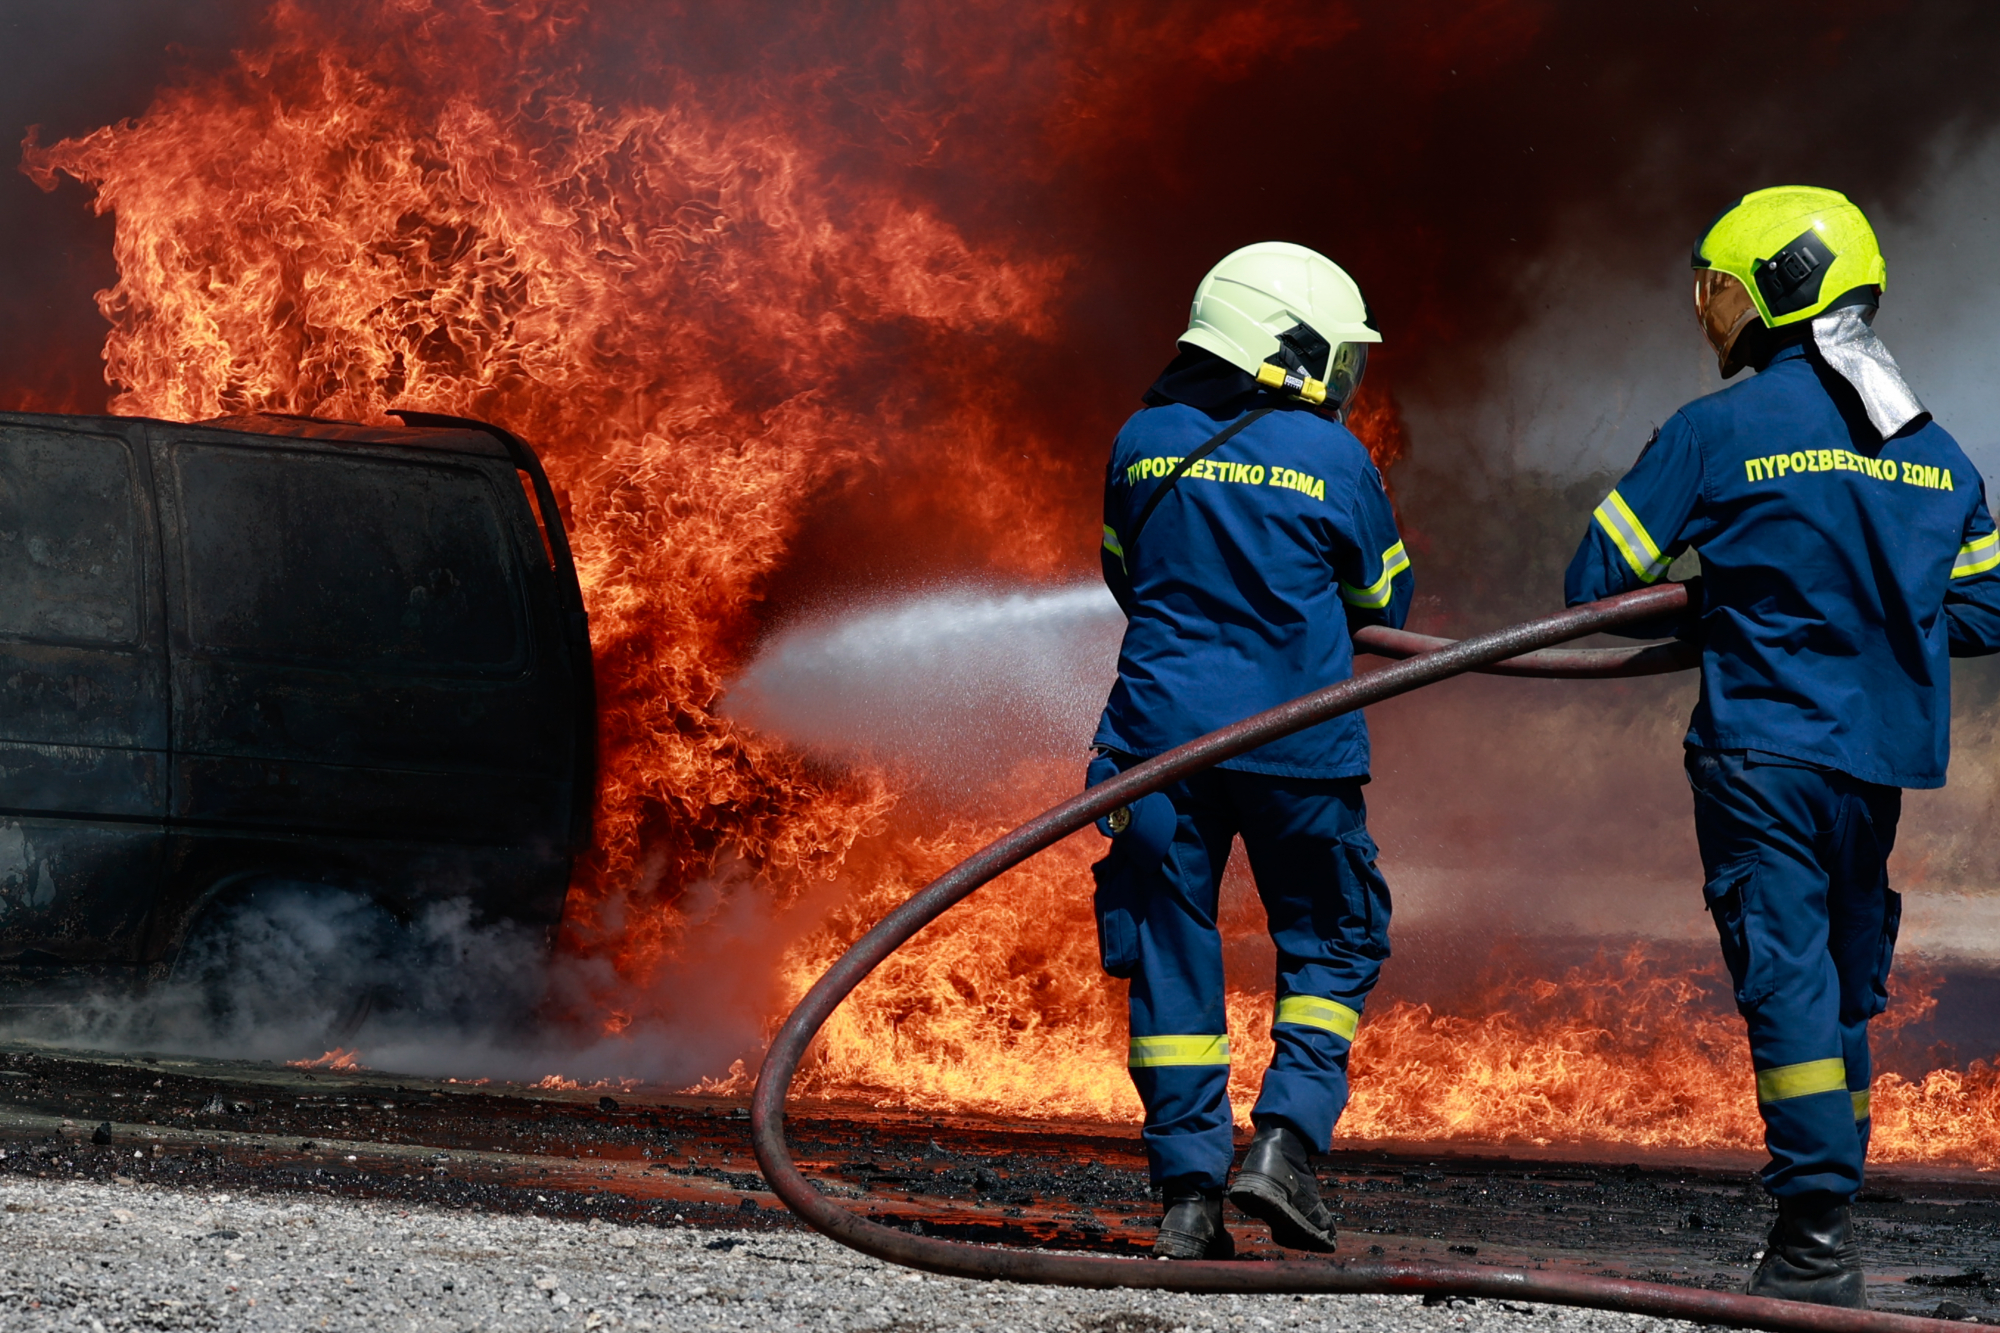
(1854, 351)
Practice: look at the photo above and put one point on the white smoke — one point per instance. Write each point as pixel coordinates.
(1612, 351)
(298, 971)
(1941, 314)
(293, 970)
(1562, 807)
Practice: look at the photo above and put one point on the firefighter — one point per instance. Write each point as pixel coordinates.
(1846, 552)
(1245, 532)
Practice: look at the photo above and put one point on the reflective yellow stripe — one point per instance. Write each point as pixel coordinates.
(1111, 541)
(1629, 535)
(1977, 556)
(1151, 1052)
(1788, 1081)
(1377, 594)
(1860, 1105)
(1312, 1012)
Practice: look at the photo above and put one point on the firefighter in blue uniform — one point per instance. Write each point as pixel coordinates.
(1846, 552)
(1245, 531)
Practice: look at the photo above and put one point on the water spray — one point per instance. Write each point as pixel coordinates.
(1521, 650)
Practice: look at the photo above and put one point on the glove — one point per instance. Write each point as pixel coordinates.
(1145, 828)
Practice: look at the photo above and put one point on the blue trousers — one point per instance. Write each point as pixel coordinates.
(1328, 911)
(1795, 858)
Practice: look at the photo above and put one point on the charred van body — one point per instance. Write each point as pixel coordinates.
(268, 649)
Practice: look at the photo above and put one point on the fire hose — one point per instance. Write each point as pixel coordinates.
(1521, 650)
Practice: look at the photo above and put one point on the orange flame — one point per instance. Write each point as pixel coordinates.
(712, 317)
(666, 297)
(337, 1058)
(557, 1083)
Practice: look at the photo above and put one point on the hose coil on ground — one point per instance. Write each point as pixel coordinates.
(1518, 650)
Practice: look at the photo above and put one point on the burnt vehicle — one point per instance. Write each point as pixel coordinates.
(267, 650)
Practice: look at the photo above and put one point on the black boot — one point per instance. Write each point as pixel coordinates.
(1812, 1255)
(1277, 1187)
(1192, 1228)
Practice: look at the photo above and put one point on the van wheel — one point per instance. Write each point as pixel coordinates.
(284, 966)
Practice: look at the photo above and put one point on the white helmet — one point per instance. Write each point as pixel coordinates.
(1287, 315)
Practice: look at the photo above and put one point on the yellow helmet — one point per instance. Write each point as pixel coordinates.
(1289, 316)
(1797, 250)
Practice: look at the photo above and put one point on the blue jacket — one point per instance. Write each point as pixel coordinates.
(1838, 571)
(1239, 593)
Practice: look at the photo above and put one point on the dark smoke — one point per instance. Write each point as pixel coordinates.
(68, 69)
(1474, 166)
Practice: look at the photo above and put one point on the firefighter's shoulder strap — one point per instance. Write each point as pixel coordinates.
(1129, 541)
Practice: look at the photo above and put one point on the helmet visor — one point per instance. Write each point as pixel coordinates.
(1723, 305)
(1344, 370)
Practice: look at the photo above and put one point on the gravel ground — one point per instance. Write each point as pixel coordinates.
(84, 1255)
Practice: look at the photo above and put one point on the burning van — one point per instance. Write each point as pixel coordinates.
(269, 650)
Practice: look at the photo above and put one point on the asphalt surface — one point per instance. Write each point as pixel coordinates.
(410, 1183)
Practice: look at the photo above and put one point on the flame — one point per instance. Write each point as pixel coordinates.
(337, 1058)
(557, 1083)
(665, 297)
(718, 314)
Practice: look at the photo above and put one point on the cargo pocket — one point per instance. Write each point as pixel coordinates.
(1366, 892)
(1116, 906)
(1892, 923)
(1732, 900)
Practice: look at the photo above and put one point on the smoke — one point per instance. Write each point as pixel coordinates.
(1607, 347)
(295, 970)
(68, 69)
(301, 972)
(1550, 809)
(1941, 314)
(1559, 808)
